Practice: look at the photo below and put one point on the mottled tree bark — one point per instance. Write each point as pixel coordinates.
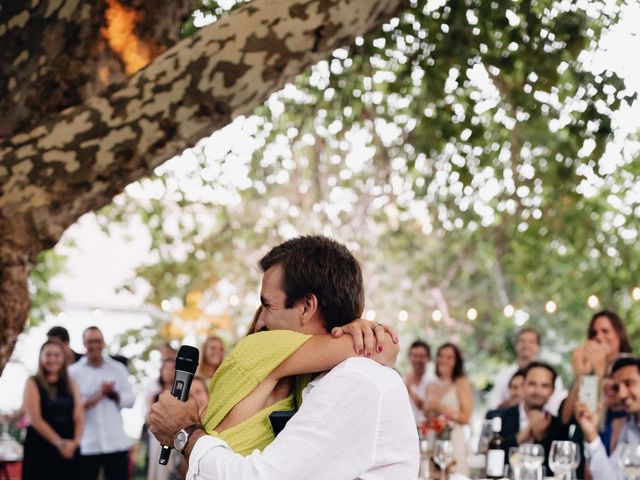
(79, 159)
(55, 54)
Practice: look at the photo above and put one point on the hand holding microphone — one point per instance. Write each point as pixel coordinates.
(186, 364)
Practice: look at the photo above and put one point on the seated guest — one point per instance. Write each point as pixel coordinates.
(516, 387)
(516, 390)
(614, 415)
(626, 375)
(527, 346)
(416, 381)
(529, 422)
(607, 338)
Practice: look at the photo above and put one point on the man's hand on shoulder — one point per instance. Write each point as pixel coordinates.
(169, 415)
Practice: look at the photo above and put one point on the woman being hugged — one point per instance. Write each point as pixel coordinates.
(451, 395)
(53, 403)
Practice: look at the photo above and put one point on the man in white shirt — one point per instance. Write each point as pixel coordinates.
(355, 421)
(626, 375)
(104, 389)
(416, 381)
(527, 345)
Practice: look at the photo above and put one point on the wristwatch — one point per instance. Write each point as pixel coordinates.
(182, 437)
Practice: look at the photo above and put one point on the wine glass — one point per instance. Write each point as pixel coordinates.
(562, 457)
(443, 455)
(532, 455)
(426, 451)
(630, 460)
(515, 462)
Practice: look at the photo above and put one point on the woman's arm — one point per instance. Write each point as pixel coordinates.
(32, 405)
(323, 352)
(319, 353)
(581, 365)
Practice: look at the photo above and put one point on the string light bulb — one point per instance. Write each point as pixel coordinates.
(551, 306)
(472, 314)
(436, 315)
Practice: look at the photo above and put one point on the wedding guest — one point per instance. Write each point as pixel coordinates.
(626, 376)
(416, 381)
(451, 395)
(52, 401)
(607, 338)
(104, 389)
(211, 356)
(62, 334)
(516, 390)
(527, 346)
(516, 393)
(614, 416)
(529, 421)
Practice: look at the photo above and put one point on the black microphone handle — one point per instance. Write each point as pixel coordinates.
(180, 390)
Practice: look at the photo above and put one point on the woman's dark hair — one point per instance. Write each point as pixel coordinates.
(618, 326)
(458, 368)
(325, 268)
(63, 385)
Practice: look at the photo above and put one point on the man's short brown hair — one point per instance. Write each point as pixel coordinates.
(317, 265)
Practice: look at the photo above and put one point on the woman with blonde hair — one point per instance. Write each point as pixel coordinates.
(211, 356)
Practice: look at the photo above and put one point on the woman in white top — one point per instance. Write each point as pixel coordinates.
(451, 395)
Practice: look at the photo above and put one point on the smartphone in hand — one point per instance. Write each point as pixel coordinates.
(589, 391)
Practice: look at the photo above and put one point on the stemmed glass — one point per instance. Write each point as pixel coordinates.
(515, 462)
(426, 451)
(562, 457)
(630, 460)
(443, 455)
(532, 455)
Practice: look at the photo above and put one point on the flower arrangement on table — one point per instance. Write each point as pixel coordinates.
(440, 425)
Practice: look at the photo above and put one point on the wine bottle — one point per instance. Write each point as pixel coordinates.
(495, 453)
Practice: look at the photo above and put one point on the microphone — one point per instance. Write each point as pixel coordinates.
(186, 364)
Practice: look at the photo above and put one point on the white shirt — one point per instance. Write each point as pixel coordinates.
(524, 418)
(603, 467)
(103, 430)
(420, 391)
(355, 423)
(500, 391)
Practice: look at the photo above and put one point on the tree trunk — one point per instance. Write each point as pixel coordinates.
(79, 159)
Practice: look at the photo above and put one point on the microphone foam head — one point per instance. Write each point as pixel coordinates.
(187, 359)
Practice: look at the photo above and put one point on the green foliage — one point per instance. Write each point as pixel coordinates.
(465, 153)
(44, 300)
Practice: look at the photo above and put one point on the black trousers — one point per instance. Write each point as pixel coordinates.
(115, 465)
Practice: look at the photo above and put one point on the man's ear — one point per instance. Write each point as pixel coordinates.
(310, 309)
